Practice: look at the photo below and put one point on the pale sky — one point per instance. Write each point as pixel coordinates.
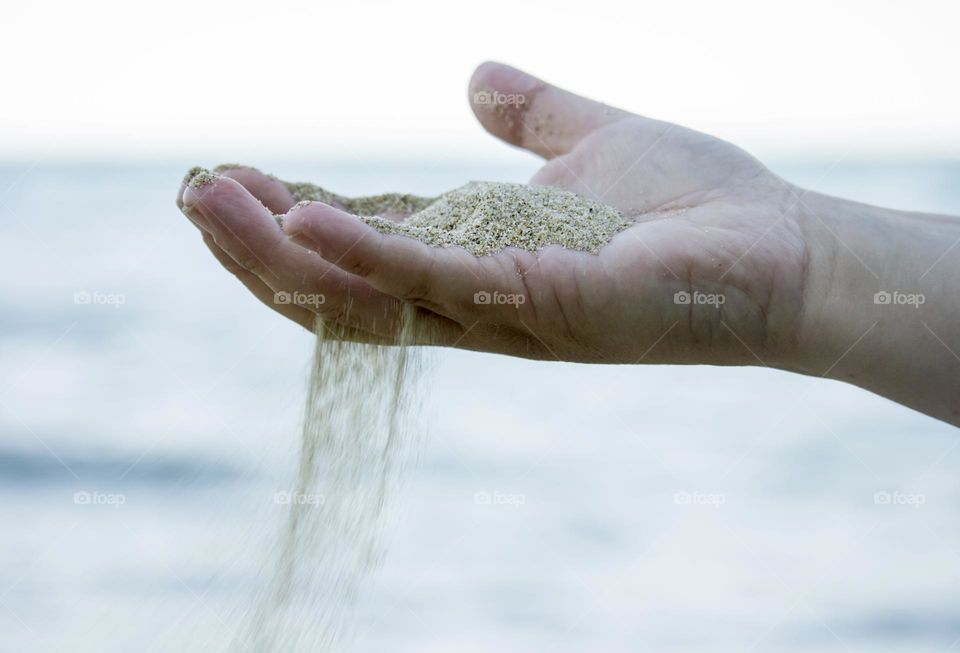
(127, 79)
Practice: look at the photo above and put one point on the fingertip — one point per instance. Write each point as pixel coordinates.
(185, 182)
(238, 222)
(482, 75)
(496, 76)
(294, 221)
(499, 96)
(528, 112)
(307, 217)
(196, 187)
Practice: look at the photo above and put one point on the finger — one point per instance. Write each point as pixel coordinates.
(399, 266)
(443, 280)
(185, 183)
(239, 223)
(253, 283)
(428, 330)
(271, 192)
(260, 290)
(303, 317)
(249, 234)
(532, 114)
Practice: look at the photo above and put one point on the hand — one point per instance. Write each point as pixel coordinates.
(713, 272)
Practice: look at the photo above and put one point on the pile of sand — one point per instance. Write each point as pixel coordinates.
(485, 217)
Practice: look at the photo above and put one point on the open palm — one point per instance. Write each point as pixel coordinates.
(713, 271)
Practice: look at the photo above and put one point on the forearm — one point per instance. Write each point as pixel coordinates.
(902, 343)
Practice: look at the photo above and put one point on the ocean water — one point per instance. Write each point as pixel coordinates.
(148, 418)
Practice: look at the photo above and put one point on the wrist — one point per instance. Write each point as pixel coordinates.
(851, 257)
(878, 309)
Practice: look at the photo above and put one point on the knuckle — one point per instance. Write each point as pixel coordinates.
(417, 290)
(418, 287)
(363, 257)
(362, 268)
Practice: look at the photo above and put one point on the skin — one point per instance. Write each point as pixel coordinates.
(779, 276)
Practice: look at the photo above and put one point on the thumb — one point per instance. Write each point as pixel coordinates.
(532, 114)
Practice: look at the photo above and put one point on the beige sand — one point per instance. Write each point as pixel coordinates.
(485, 217)
(360, 434)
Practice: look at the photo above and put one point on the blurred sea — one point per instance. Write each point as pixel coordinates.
(557, 507)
